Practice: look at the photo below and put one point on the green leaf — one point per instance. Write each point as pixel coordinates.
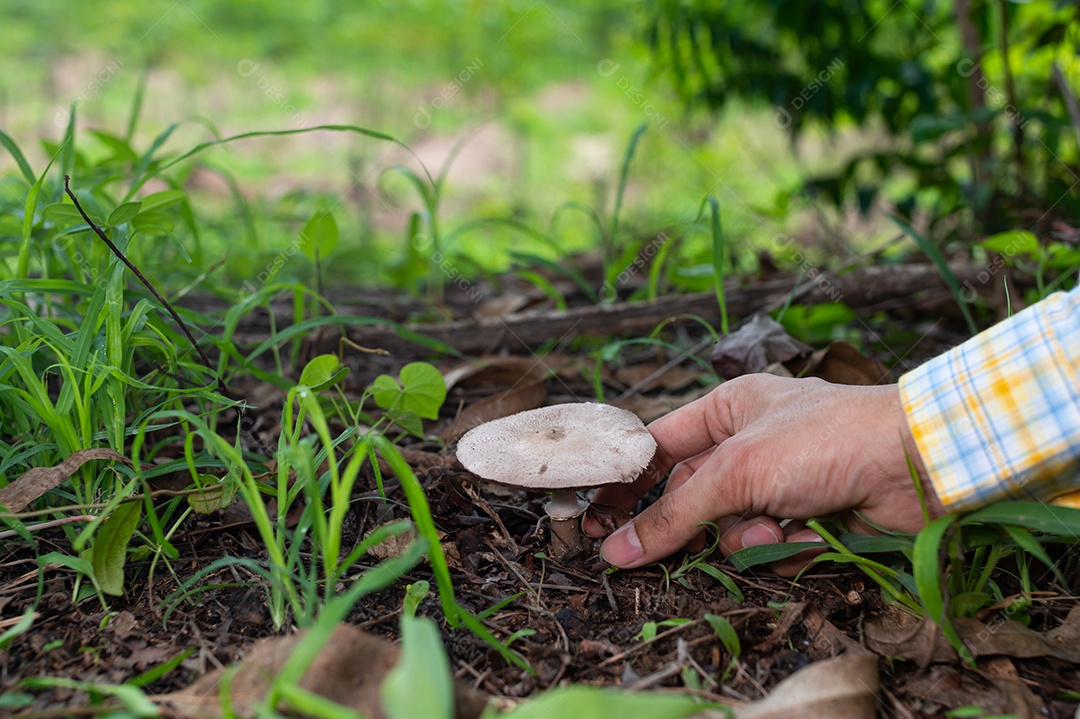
(78, 564)
(124, 213)
(420, 684)
(648, 632)
(728, 582)
(1032, 515)
(1013, 242)
(17, 155)
(414, 594)
(725, 630)
(61, 212)
(320, 234)
(323, 372)
(153, 219)
(408, 420)
(110, 547)
(425, 389)
(1029, 544)
(584, 702)
(422, 390)
(214, 495)
(162, 200)
(926, 567)
(767, 553)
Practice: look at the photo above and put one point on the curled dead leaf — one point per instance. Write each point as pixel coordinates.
(844, 687)
(517, 384)
(755, 346)
(349, 670)
(840, 363)
(921, 641)
(35, 482)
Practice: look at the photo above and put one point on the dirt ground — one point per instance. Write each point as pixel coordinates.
(587, 623)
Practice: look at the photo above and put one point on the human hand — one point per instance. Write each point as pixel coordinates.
(761, 448)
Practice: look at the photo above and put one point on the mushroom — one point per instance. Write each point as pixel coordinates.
(562, 448)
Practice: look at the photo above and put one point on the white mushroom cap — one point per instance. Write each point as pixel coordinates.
(565, 446)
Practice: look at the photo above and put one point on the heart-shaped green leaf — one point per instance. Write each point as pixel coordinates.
(323, 372)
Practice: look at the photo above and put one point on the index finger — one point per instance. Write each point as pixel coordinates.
(681, 434)
(690, 430)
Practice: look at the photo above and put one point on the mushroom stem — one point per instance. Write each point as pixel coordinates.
(564, 508)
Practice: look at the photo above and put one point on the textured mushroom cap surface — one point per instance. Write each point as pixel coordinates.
(565, 446)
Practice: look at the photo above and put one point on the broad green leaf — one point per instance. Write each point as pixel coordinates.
(61, 212)
(323, 372)
(153, 219)
(422, 390)
(320, 234)
(408, 420)
(80, 565)
(1013, 242)
(386, 391)
(124, 213)
(110, 547)
(420, 684)
(425, 389)
(162, 200)
(214, 495)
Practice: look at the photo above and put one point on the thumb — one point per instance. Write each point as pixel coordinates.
(662, 529)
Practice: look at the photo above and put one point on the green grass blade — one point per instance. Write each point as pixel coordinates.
(1030, 515)
(719, 252)
(768, 553)
(624, 174)
(136, 105)
(943, 267)
(18, 156)
(425, 525)
(926, 568)
(270, 133)
(1029, 544)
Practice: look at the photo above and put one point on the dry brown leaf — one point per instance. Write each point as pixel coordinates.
(1017, 697)
(841, 688)
(494, 308)
(518, 384)
(755, 346)
(673, 379)
(898, 634)
(840, 363)
(650, 408)
(35, 482)
(922, 641)
(349, 670)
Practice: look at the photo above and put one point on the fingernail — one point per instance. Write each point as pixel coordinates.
(759, 534)
(623, 547)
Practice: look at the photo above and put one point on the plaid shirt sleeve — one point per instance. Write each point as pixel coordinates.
(998, 417)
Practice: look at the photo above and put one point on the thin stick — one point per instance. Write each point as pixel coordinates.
(50, 523)
(120, 255)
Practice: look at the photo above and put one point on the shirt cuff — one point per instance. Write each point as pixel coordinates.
(999, 416)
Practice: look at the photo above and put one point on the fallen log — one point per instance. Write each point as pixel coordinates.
(868, 289)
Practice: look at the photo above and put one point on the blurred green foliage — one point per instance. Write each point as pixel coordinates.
(964, 96)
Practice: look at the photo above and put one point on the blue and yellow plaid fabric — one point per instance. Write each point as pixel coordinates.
(998, 417)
